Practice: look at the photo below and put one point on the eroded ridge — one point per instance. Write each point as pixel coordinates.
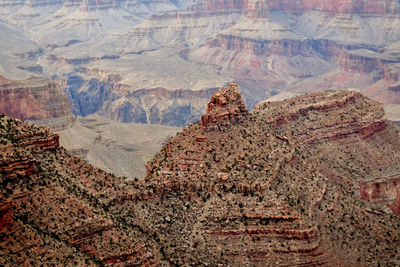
(312, 151)
(290, 184)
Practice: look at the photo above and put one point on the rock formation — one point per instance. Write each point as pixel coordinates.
(226, 107)
(310, 180)
(56, 214)
(38, 100)
(299, 149)
(384, 190)
(265, 46)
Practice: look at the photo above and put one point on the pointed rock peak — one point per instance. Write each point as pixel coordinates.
(225, 108)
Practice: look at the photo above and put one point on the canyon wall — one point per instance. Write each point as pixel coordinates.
(283, 47)
(158, 106)
(291, 183)
(301, 148)
(104, 95)
(265, 46)
(334, 6)
(38, 100)
(330, 6)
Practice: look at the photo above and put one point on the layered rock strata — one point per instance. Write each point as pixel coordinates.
(302, 146)
(383, 190)
(288, 184)
(38, 100)
(226, 107)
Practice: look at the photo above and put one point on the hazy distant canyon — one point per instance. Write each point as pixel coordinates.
(159, 61)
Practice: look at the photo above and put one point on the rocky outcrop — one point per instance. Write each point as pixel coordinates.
(36, 99)
(225, 108)
(14, 164)
(302, 145)
(383, 190)
(35, 138)
(61, 204)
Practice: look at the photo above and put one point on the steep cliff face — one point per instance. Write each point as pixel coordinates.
(381, 66)
(357, 63)
(87, 96)
(158, 106)
(35, 99)
(225, 108)
(104, 95)
(297, 44)
(384, 190)
(284, 47)
(91, 4)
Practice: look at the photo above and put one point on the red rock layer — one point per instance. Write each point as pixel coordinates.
(361, 64)
(3, 80)
(226, 107)
(35, 99)
(277, 187)
(15, 138)
(15, 165)
(62, 199)
(6, 213)
(330, 6)
(283, 47)
(383, 190)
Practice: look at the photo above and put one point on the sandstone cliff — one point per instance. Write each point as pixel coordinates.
(226, 107)
(38, 100)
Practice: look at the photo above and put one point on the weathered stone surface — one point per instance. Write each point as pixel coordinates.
(39, 100)
(300, 148)
(6, 214)
(225, 108)
(288, 184)
(383, 190)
